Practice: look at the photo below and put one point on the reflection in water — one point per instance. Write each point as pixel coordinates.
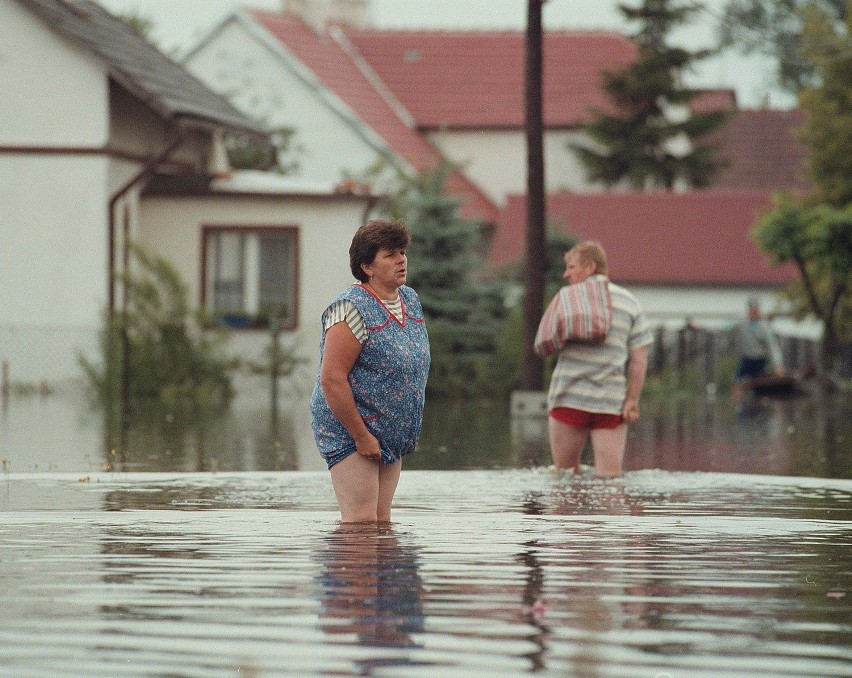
(371, 589)
(803, 436)
(164, 439)
(487, 573)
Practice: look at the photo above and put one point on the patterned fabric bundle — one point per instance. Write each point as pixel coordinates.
(581, 312)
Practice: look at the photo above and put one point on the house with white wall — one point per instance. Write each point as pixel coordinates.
(100, 136)
(105, 141)
(464, 90)
(274, 65)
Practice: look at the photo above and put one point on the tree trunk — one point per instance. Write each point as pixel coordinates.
(532, 368)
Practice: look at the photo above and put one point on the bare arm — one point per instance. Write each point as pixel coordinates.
(339, 355)
(637, 366)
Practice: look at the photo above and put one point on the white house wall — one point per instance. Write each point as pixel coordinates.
(53, 222)
(495, 160)
(242, 67)
(52, 92)
(173, 227)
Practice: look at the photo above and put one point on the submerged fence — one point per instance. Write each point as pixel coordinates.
(709, 355)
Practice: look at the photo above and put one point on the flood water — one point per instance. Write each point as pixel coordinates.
(803, 436)
(212, 548)
(482, 573)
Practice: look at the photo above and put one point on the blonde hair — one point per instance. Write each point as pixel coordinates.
(591, 251)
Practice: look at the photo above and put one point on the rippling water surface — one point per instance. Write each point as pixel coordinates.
(481, 573)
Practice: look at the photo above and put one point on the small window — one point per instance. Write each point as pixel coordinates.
(251, 276)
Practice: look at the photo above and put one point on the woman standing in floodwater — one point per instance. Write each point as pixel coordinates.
(367, 404)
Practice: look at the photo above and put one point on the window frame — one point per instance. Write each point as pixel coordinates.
(246, 321)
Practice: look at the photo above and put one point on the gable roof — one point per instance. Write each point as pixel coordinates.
(475, 79)
(762, 150)
(336, 64)
(661, 238)
(139, 67)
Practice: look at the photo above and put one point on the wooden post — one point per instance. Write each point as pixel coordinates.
(532, 367)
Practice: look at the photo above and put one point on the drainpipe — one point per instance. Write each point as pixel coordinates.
(149, 168)
(146, 171)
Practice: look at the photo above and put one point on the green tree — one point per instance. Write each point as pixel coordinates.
(464, 313)
(775, 28)
(818, 241)
(814, 231)
(827, 132)
(638, 142)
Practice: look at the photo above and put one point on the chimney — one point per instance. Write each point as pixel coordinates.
(320, 13)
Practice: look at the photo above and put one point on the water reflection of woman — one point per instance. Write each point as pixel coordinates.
(371, 588)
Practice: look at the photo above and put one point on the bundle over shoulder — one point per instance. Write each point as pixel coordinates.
(579, 312)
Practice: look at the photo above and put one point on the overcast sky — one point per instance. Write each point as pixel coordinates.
(181, 23)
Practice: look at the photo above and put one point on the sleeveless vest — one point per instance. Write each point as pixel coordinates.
(388, 379)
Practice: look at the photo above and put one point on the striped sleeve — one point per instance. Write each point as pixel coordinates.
(345, 311)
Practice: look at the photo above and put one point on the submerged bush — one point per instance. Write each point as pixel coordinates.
(156, 348)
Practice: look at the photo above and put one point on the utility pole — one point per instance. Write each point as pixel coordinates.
(532, 367)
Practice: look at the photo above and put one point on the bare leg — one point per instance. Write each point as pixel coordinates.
(356, 485)
(608, 445)
(388, 480)
(566, 444)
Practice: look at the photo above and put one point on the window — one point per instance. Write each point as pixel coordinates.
(250, 275)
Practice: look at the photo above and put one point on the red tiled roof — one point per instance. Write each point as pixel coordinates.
(712, 100)
(337, 70)
(694, 238)
(763, 151)
(476, 79)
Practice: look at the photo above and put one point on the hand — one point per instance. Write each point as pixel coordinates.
(630, 411)
(368, 446)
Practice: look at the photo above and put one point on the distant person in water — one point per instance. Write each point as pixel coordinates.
(758, 349)
(367, 404)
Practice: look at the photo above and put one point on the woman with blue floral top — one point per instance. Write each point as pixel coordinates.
(367, 404)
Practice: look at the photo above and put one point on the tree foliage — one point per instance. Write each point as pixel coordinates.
(775, 28)
(814, 232)
(464, 312)
(818, 241)
(638, 142)
(828, 129)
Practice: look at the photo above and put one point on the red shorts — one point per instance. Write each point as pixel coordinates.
(585, 420)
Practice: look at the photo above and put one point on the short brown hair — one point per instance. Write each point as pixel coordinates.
(373, 236)
(591, 251)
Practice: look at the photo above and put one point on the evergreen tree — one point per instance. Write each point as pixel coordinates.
(463, 312)
(638, 142)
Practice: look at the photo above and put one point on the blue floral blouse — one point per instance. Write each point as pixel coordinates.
(388, 379)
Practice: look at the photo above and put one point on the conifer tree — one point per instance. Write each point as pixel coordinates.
(639, 141)
(463, 312)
